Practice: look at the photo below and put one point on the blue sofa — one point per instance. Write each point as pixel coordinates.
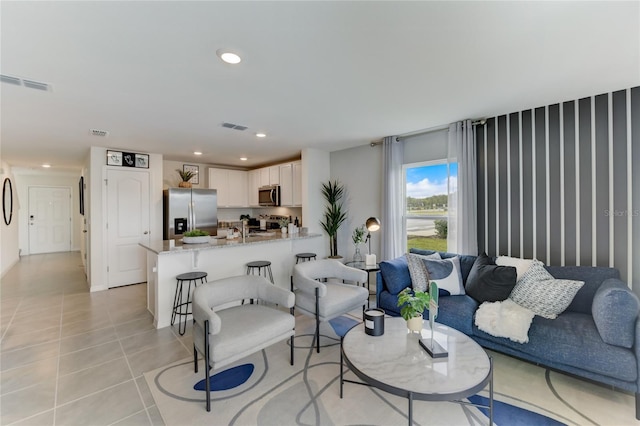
(597, 337)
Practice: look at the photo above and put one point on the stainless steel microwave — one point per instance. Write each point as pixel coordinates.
(269, 195)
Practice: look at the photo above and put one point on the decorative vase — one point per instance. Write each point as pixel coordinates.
(184, 184)
(283, 230)
(415, 324)
(357, 256)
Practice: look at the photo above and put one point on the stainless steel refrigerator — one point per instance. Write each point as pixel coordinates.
(189, 208)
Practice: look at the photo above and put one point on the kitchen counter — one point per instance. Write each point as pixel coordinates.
(165, 247)
(220, 258)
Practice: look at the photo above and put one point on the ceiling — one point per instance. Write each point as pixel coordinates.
(325, 75)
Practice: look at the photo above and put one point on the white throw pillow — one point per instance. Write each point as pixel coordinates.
(521, 265)
(540, 292)
(446, 273)
(505, 319)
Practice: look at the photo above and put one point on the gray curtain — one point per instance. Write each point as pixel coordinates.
(392, 223)
(463, 203)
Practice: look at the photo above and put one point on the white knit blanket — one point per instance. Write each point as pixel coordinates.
(505, 319)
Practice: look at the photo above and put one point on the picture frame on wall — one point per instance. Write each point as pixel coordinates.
(142, 161)
(114, 158)
(193, 169)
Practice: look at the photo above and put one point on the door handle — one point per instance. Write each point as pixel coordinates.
(85, 231)
(145, 232)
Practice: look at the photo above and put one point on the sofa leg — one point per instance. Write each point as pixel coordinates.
(637, 406)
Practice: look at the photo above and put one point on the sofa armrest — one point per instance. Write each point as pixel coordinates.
(615, 312)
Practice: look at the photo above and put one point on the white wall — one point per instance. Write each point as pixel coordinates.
(359, 169)
(26, 178)
(95, 200)
(9, 235)
(315, 171)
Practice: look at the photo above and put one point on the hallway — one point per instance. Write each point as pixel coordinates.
(70, 357)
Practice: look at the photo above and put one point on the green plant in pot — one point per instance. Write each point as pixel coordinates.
(186, 176)
(412, 306)
(196, 233)
(334, 214)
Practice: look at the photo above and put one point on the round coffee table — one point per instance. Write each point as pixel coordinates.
(396, 363)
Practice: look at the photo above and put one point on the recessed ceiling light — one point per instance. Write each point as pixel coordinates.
(243, 158)
(228, 57)
(46, 166)
(197, 153)
(261, 135)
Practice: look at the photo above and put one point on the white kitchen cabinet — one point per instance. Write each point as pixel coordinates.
(253, 185)
(297, 183)
(231, 186)
(274, 175)
(264, 176)
(286, 184)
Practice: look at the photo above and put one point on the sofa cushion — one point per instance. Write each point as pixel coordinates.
(572, 339)
(395, 273)
(466, 260)
(615, 311)
(593, 277)
(456, 312)
(418, 270)
(445, 273)
(546, 296)
(488, 282)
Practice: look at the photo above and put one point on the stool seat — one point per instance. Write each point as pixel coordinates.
(258, 264)
(303, 257)
(191, 276)
(181, 306)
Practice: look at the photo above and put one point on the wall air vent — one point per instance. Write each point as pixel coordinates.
(31, 84)
(234, 126)
(101, 133)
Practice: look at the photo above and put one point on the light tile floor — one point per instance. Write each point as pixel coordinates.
(71, 357)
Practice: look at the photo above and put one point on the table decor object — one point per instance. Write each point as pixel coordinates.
(412, 307)
(432, 347)
(374, 322)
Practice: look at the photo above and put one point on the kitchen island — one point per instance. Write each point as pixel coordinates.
(219, 258)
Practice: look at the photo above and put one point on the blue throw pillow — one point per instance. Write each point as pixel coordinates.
(446, 274)
(395, 273)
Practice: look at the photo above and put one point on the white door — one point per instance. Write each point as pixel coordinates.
(49, 219)
(127, 226)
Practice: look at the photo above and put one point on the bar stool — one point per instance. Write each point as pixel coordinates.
(305, 257)
(181, 307)
(261, 266)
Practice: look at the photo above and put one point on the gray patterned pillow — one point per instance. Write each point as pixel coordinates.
(541, 293)
(418, 270)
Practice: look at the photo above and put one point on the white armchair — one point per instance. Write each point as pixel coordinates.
(327, 300)
(225, 335)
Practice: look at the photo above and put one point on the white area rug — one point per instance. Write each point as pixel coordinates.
(308, 393)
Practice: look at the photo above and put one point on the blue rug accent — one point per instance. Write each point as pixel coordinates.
(227, 379)
(342, 324)
(507, 414)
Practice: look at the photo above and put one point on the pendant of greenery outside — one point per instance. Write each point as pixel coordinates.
(334, 215)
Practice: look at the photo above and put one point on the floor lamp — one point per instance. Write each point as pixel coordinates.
(372, 224)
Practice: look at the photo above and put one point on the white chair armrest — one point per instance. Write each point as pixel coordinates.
(202, 311)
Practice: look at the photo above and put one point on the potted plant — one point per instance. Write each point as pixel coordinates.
(358, 238)
(186, 177)
(283, 223)
(333, 192)
(413, 305)
(195, 236)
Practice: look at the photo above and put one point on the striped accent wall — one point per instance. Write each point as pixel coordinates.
(561, 183)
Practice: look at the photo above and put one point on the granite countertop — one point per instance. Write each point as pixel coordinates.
(164, 247)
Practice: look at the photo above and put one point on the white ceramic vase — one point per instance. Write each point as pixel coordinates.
(415, 324)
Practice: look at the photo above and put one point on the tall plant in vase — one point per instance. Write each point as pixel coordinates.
(334, 215)
(358, 238)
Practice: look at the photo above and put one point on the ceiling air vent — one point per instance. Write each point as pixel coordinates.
(101, 133)
(234, 126)
(32, 84)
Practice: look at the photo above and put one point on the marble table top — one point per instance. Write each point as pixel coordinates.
(396, 363)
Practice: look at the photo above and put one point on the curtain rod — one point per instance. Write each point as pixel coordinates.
(480, 121)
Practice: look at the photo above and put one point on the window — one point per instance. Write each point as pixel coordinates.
(427, 189)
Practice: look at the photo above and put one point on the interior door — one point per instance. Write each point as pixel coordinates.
(127, 226)
(49, 219)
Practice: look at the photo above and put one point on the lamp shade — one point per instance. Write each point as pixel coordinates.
(373, 224)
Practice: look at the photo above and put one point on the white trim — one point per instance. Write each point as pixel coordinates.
(577, 147)
(611, 205)
(521, 184)
(547, 185)
(508, 185)
(562, 212)
(533, 183)
(486, 194)
(594, 229)
(629, 195)
(497, 152)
